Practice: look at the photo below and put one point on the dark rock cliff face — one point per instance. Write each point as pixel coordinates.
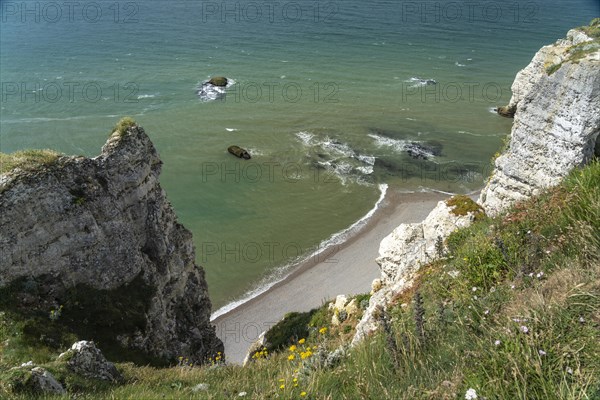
(99, 238)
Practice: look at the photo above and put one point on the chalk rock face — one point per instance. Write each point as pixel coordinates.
(86, 360)
(403, 252)
(105, 225)
(556, 125)
(410, 245)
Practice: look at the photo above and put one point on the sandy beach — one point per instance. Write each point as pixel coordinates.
(348, 268)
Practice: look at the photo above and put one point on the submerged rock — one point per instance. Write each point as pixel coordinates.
(239, 152)
(424, 150)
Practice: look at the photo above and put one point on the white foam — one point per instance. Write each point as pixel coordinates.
(459, 64)
(231, 129)
(382, 141)
(305, 137)
(146, 96)
(368, 170)
(367, 159)
(283, 272)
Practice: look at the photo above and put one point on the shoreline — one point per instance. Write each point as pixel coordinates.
(326, 246)
(347, 268)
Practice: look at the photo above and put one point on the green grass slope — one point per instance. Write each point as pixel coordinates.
(512, 311)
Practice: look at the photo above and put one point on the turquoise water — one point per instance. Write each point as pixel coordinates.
(327, 99)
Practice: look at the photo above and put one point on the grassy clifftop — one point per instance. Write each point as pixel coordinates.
(512, 311)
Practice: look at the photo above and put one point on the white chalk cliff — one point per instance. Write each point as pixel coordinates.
(557, 120)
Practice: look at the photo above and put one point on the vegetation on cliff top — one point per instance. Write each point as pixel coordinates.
(27, 160)
(123, 126)
(512, 311)
(581, 50)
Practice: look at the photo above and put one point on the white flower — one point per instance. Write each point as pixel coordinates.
(581, 319)
(539, 275)
(200, 387)
(524, 329)
(486, 312)
(242, 394)
(569, 371)
(512, 286)
(474, 288)
(541, 352)
(471, 394)
(497, 342)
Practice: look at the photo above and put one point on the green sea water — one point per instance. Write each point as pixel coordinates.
(330, 98)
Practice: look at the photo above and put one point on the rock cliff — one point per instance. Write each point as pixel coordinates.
(95, 245)
(556, 104)
(407, 248)
(557, 121)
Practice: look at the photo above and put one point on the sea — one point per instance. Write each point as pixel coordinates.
(337, 102)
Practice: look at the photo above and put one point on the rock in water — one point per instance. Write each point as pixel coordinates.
(218, 81)
(507, 111)
(239, 152)
(99, 237)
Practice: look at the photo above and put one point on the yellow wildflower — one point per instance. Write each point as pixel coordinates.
(322, 330)
(302, 394)
(293, 347)
(291, 357)
(301, 341)
(282, 387)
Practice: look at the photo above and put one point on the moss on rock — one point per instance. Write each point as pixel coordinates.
(462, 205)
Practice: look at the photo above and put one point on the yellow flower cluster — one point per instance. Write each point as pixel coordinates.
(304, 353)
(323, 330)
(263, 353)
(299, 350)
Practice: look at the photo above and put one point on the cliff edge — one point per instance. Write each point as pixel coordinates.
(94, 245)
(556, 103)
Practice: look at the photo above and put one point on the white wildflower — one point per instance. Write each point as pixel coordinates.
(471, 394)
(497, 343)
(524, 329)
(541, 352)
(242, 394)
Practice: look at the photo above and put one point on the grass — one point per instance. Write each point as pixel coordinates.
(27, 160)
(581, 50)
(512, 312)
(123, 126)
